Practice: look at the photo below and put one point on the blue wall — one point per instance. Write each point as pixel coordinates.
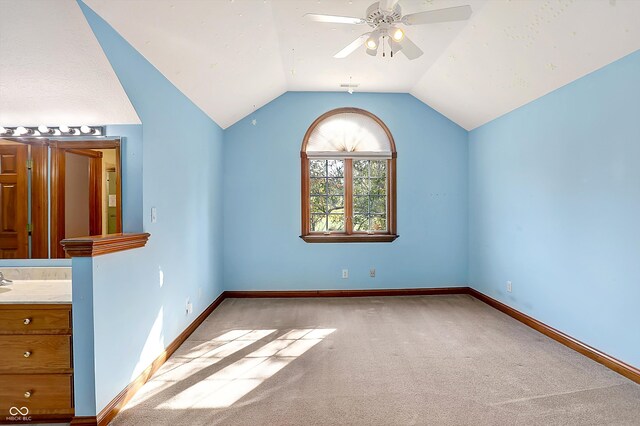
(175, 165)
(546, 196)
(554, 202)
(262, 249)
(131, 165)
(83, 337)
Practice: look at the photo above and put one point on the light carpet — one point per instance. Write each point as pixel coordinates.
(438, 360)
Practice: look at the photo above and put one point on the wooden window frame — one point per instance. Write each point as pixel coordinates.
(349, 236)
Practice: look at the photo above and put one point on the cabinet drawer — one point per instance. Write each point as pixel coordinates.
(36, 320)
(35, 353)
(40, 393)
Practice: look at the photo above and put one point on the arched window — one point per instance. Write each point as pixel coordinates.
(348, 179)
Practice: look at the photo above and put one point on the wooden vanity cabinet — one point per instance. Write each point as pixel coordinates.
(36, 370)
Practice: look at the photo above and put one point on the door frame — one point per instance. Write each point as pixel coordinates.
(80, 147)
(39, 200)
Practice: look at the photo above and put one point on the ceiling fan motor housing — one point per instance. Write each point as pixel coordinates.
(377, 17)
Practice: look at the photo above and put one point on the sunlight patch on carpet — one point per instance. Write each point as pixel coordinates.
(223, 388)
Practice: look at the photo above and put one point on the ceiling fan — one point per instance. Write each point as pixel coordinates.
(385, 17)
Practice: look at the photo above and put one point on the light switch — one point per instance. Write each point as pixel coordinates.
(154, 215)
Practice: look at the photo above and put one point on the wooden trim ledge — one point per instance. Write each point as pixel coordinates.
(103, 244)
(84, 421)
(351, 238)
(345, 293)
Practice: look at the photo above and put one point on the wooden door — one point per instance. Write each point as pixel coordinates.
(39, 201)
(14, 242)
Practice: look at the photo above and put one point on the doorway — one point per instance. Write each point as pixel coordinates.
(86, 191)
(55, 189)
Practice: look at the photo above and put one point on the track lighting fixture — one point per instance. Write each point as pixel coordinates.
(68, 130)
(43, 130)
(5, 131)
(21, 131)
(88, 130)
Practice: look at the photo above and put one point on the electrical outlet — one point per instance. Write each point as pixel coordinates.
(372, 272)
(509, 286)
(189, 306)
(345, 274)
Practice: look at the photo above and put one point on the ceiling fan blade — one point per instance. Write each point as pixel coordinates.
(334, 19)
(458, 13)
(352, 46)
(387, 4)
(394, 46)
(409, 48)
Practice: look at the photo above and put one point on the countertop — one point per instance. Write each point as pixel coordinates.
(36, 291)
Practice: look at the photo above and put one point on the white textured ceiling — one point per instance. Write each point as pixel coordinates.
(223, 55)
(52, 69)
(232, 56)
(513, 52)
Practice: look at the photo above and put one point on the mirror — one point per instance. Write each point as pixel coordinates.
(56, 189)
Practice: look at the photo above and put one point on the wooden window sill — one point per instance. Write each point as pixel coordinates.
(103, 244)
(353, 238)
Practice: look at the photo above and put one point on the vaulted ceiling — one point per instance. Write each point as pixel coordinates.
(53, 70)
(233, 56)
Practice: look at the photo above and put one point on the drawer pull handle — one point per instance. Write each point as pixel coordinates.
(27, 394)
(27, 321)
(27, 354)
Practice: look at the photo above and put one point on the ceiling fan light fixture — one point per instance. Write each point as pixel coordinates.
(397, 34)
(372, 43)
